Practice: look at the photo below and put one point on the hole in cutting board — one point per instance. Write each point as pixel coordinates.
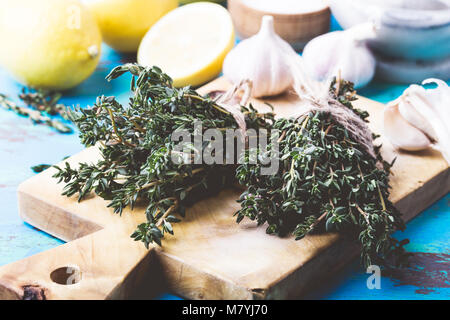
(66, 275)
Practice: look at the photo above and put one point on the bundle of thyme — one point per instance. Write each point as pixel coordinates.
(136, 148)
(326, 181)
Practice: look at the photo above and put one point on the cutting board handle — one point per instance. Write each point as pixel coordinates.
(102, 265)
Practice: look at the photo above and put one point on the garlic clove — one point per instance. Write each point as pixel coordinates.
(440, 96)
(432, 107)
(427, 111)
(400, 132)
(410, 114)
(263, 59)
(432, 104)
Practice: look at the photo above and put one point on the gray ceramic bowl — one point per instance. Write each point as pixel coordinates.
(407, 29)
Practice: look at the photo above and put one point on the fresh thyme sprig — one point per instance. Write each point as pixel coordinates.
(44, 101)
(326, 182)
(136, 148)
(35, 115)
(40, 167)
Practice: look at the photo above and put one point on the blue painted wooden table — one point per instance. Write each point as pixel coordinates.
(23, 145)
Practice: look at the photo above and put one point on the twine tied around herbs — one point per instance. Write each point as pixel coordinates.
(316, 97)
(232, 100)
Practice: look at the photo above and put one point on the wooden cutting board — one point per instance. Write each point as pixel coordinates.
(210, 257)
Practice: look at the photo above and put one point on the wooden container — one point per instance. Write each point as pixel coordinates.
(295, 28)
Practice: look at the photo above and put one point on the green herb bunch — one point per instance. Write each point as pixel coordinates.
(136, 147)
(326, 182)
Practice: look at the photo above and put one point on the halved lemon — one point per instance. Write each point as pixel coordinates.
(189, 43)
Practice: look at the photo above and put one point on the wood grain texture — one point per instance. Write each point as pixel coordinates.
(295, 28)
(211, 257)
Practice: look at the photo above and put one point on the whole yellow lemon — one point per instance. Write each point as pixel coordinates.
(125, 22)
(51, 44)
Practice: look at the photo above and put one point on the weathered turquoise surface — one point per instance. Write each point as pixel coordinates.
(23, 145)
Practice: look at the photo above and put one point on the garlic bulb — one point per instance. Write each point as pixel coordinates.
(342, 51)
(420, 118)
(264, 59)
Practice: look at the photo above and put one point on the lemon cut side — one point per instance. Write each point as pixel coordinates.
(189, 43)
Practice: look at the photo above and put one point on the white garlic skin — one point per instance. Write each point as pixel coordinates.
(263, 59)
(401, 133)
(420, 118)
(327, 55)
